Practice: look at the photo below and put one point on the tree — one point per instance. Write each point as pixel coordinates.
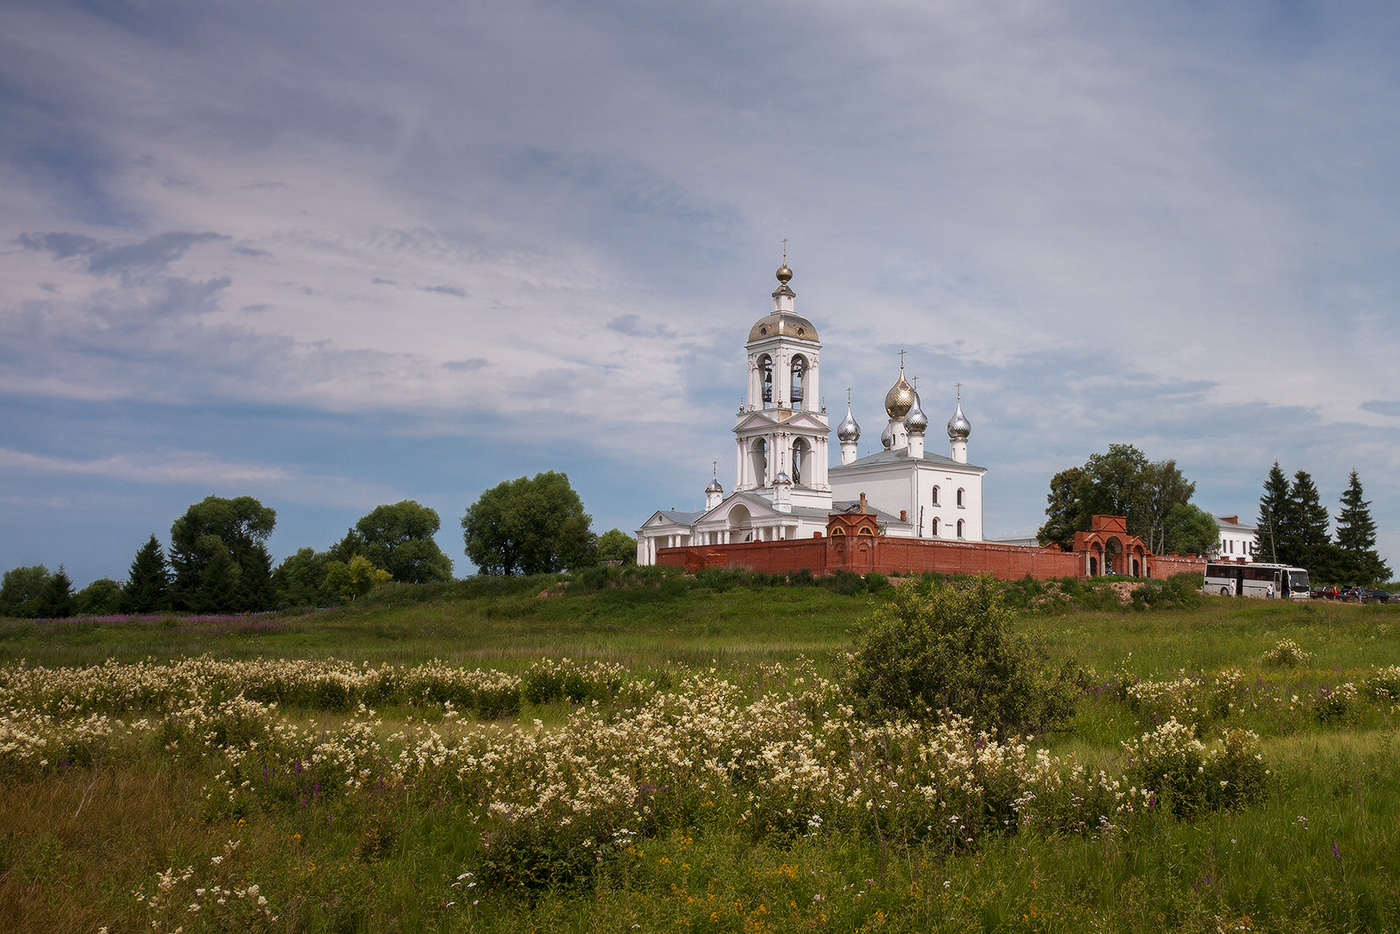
(1065, 513)
(1120, 483)
(147, 588)
(102, 597)
(1189, 530)
(529, 526)
(1275, 512)
(1358, 562)
(361, 576)
(56, 598)
(241, 526)
(300, 580)
(1309, 544)
(399, 539)
(617, 545)
(22, 591)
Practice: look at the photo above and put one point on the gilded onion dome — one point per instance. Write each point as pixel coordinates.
(900, 399)
(916, 422)
(958, 426)
(848, 430)
(783, 322)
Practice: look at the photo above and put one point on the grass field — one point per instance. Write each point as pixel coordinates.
(426, 760)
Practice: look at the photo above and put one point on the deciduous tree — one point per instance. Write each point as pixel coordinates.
(203, 581)
(1121, 482)
(532, 525)
(22, 591)
(617, 545)
(399, 539)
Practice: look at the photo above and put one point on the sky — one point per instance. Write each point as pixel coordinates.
(335, 255)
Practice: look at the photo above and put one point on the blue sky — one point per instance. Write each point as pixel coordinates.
(339, 255)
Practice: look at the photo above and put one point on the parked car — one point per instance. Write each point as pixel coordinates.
(1324, 593)
(1376, 596)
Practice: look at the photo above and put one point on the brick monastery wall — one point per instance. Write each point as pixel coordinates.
(896, 556)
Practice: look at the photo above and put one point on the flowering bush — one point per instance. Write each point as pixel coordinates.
(1286, 654)
(1184, 776)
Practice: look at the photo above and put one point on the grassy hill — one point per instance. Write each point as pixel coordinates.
(657, 753)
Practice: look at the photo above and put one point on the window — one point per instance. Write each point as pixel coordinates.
(799, 373)
(935, 526)
(961, 526)
(935, 500)
(960, 498)
(765, 368)
(799, 460)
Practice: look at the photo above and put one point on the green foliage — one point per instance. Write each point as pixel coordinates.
(300, 580)
(1357, 559)
(1190, 530)
(1180, 591)
(56, 598)
(1285, 654)
(361, 576)
(617, 545)
(399, 539)
(102, 597)
(218, 553)
(1188, 777)
(529, 526)
(1120, 483)
(953, 648)
(147, 588)
(23, 591)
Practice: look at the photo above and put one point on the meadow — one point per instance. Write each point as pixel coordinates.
(677, 755)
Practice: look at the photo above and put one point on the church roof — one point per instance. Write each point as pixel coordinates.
(881, 458)
(680, 518)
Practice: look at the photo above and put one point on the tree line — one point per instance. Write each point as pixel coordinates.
(1293, 529)
(218, 562)
(1155, 497)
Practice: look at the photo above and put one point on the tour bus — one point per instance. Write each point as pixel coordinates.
(1256, 580)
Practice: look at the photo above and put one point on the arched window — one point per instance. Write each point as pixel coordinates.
(799, 375)
(765, 369)
(935, 525)
(758, 454)
(961, 526)
(799, 461)
(935, 502)
(960, 497)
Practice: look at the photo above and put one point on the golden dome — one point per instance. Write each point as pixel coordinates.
(783, 324)
(900, 399)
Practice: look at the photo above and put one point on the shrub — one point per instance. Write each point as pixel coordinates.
(1187, 777)
(1180, 591)
(1286, 654)
(952, 648)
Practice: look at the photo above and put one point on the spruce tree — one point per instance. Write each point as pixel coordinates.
(1356, 539)
(1275, 515)
(56, 599)
(147, 588)
(1308, 543)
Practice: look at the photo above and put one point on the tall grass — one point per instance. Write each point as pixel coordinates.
(83, 834)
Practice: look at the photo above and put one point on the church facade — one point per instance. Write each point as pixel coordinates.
(785, 488)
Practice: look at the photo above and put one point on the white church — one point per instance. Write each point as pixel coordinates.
(784, 487)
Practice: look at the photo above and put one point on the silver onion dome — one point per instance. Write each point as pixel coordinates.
(848, 430)
(782, 478)
(887, 436)
(958, 426)
(714, 487)
(916, 422)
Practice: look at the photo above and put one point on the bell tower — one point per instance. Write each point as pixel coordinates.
(782, 426)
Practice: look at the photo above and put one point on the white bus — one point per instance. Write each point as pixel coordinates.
(1256, 580)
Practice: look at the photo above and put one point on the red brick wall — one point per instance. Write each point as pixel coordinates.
(902, 555)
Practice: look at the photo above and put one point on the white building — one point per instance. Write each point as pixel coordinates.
(1236, 539)
(784, 487)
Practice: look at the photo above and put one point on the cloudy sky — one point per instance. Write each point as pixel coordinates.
(335, 255)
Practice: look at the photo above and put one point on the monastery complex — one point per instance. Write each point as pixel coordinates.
(904, 509)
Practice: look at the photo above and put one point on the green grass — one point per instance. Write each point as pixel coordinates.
(75, 844)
